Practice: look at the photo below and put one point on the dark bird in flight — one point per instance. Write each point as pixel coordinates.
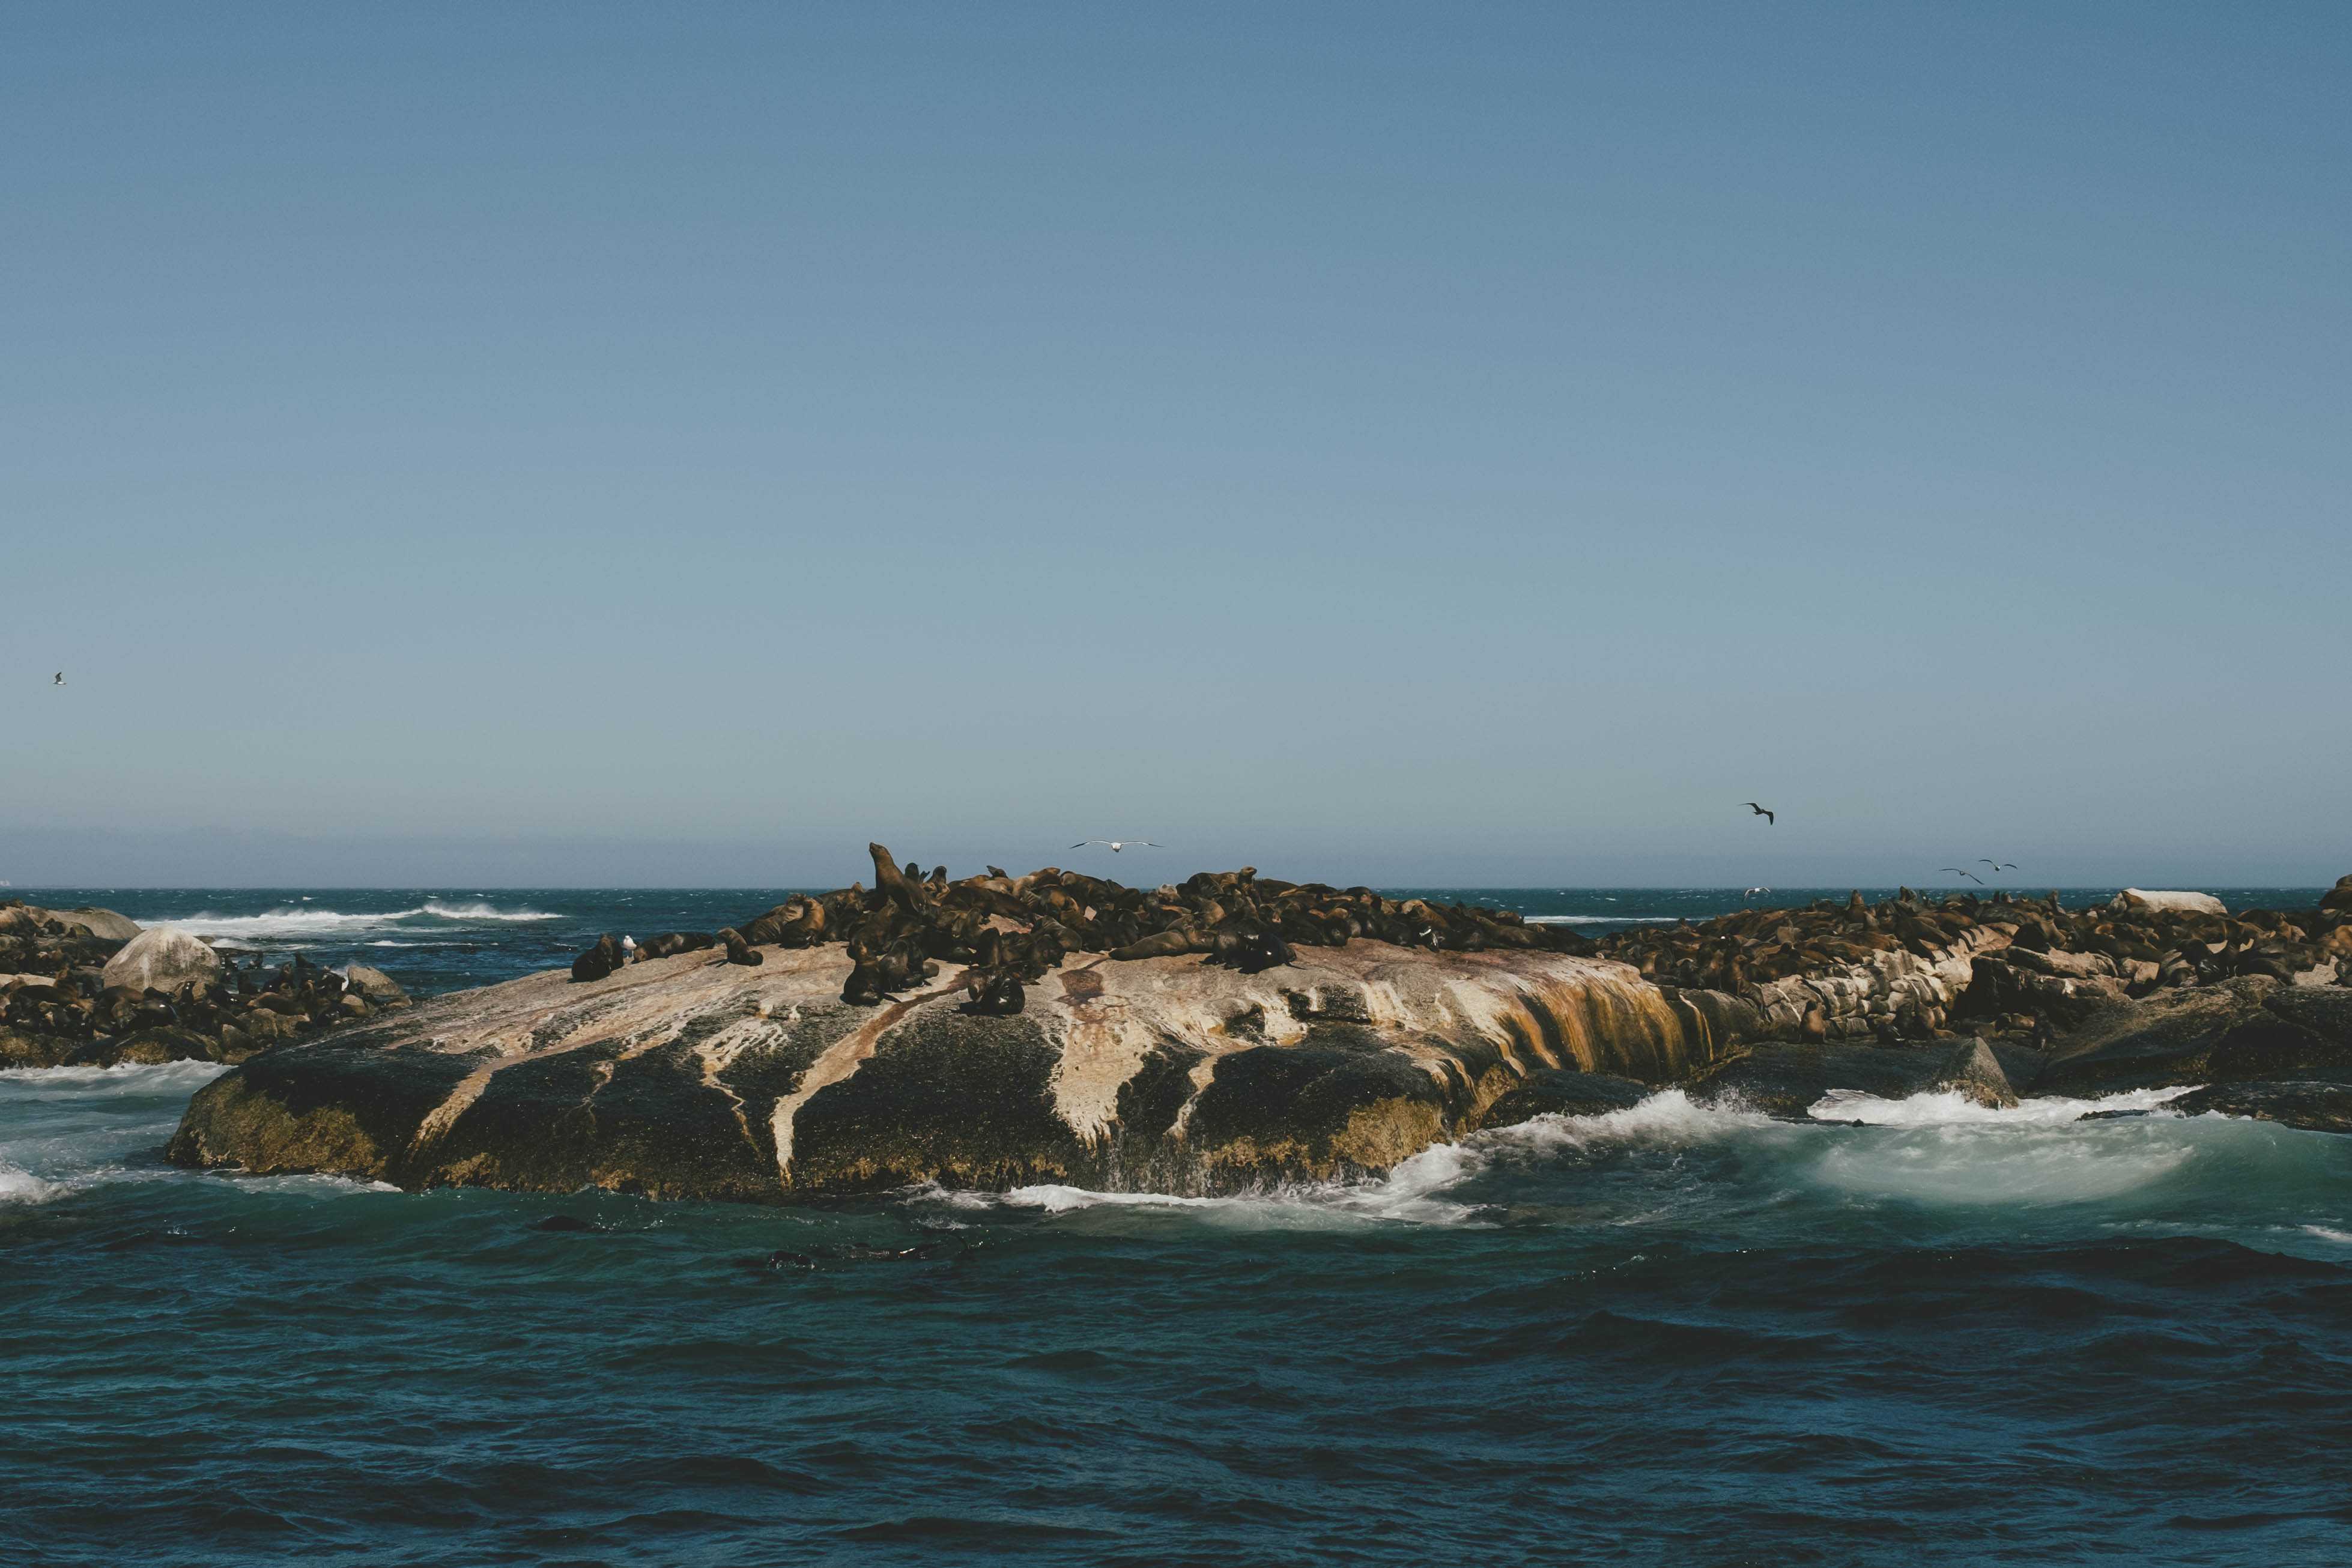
(60, 679)
(1969, 875)
(1760, 811)
(1997, 865)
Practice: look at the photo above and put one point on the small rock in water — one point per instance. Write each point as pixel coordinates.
(1974, 1072)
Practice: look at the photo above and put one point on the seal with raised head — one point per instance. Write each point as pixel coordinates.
(598, 961)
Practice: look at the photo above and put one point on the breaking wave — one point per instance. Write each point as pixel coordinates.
(287, 922)
(1603, 919)
(1932, 1162)
(23, 1187)
(1949, 1107)
(21, 1084)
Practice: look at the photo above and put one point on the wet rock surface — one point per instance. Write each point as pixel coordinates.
(1556, 1092)
(89, 987)
(1232, 1031)
(2244, 1029)
(1787, 1081)
(2318, 1106)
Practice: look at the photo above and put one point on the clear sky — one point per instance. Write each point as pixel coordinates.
(675, 444)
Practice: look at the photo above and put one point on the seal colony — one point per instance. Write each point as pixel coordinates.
(1233, 1030)
(89, 987)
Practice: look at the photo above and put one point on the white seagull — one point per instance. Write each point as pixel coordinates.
(1117, 844)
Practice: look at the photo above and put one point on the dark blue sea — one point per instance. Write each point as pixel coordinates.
(1677, 1335)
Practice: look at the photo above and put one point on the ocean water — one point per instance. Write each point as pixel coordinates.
(1678, 1334)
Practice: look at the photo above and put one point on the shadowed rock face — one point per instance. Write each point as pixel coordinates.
(1787, 1081)
(691, 1076)
(2245, 1029)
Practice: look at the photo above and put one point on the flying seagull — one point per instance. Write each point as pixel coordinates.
(1969, 875)
(1760, 811)
(60, 679)
(1997, 865)
(1117, 844)
(1755, 892)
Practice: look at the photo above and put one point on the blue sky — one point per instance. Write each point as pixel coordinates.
(579, 444)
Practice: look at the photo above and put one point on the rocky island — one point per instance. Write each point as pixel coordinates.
(87, 987)
(1235, 1030)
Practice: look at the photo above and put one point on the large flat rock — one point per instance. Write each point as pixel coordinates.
(689, 1076)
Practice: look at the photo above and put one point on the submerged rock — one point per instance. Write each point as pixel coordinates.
(1563, 1092)
(1787, 1081)
(2316, 1106)
(2242, 1029)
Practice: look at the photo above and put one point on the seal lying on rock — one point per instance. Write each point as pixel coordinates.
(600, 960)
(1016, 930)
(1909, 969)
(670, 942)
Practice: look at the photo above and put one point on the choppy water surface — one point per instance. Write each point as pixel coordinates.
(1676, 1334)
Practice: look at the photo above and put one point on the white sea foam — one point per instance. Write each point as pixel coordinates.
(1669, 1118)
(1054, 1197)
(1602, 919)
(1404, 1195)
(326, 922)
(1415, 1191)
(313, 1184)
(1934, 1149)
(1944, 1149)
(484, 912)
(23, 1187)
(126, 1078)
(1949, 1107)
